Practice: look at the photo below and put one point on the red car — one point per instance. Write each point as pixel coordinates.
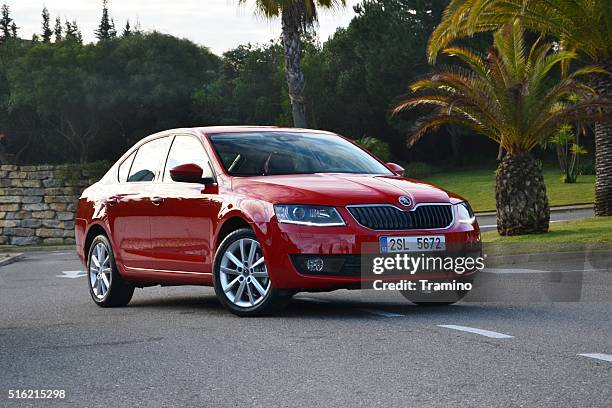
(259, 213)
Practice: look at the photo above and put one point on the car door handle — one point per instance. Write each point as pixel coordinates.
(157, 200)
(112, 200)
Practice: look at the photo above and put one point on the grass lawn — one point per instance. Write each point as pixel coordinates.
(563, 236)
(478, 187)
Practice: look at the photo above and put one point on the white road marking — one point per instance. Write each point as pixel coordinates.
(382, 313)
(72, 274)
(598, 356)
(486, 333)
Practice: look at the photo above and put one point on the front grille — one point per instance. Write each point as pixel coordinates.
(388, 217)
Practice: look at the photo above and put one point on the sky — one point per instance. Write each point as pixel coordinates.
(218, 24)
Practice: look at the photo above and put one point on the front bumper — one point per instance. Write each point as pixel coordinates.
(284, 247)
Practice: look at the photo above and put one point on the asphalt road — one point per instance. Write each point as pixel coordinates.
(178, 347)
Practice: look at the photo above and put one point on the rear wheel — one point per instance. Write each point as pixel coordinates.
(241, 277)
(106, 287)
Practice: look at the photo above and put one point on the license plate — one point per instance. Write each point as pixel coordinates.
(413, 243)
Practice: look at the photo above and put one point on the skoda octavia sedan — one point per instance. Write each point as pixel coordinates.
(260, 213)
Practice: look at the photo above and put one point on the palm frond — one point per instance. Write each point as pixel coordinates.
(584, 25)
(507, 95)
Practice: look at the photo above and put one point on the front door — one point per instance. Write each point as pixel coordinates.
(181, 229)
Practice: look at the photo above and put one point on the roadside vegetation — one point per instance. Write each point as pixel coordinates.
(583, 26)
(508, 95)
(478, 187)
(566, 235)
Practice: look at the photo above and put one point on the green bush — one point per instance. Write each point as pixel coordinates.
(421, 170)
(375, 146)
(587, 168)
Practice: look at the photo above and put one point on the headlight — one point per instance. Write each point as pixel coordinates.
(316, 215)
(465, 213)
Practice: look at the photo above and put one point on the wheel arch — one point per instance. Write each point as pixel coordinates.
(229, 225)
(93, 231)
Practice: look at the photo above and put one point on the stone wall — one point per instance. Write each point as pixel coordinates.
(37, 203)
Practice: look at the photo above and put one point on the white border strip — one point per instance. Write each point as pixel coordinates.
(598, 356)
(486, 333)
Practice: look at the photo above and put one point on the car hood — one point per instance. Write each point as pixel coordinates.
(340, 189)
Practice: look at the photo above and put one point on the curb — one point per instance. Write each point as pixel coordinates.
(10, 259)
(569, 208)
(30, 248)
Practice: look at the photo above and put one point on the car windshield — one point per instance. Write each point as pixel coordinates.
(275, 153)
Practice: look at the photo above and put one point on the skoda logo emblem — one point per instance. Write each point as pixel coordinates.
(405, 201)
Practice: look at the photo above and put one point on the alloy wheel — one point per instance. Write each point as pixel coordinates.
(100, 272)
(243, 273)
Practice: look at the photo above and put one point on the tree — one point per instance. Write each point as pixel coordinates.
(73, 33)
(14, 29)
(147, 84)
(53, 80)
(112, 32)
(46, 26)
(297, 18)
(5, 24)
(357, 74)
(106, 28)
(507, 97)
(583, 25)
(568, 152)
(127, 30)
(57, 30)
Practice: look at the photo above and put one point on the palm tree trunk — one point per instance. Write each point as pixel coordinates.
(293, 66)
(520, 193)
(603, 149)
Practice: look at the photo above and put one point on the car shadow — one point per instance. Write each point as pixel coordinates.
(300, 307)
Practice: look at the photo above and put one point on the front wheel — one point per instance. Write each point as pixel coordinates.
(106, 287)
(241, 277)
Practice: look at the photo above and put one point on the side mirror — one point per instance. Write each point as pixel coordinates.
(396, 168)
(188, 173)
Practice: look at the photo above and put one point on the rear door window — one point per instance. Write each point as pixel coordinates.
(148, 160)
(124, 168)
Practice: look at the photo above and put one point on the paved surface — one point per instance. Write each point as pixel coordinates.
(488, 222)
(178, 347)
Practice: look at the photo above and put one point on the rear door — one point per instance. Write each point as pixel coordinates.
(130, 206)
(181, 229)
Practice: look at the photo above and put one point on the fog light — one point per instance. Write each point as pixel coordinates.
(314, 264)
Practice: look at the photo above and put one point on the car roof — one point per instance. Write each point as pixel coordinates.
(247, 128)
(204, 130)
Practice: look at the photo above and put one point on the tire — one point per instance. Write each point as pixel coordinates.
(435, 298)
(241, 279)
(106, 287)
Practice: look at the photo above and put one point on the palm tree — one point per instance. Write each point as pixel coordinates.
(297, 17)
(582, 25)
(507, 96)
